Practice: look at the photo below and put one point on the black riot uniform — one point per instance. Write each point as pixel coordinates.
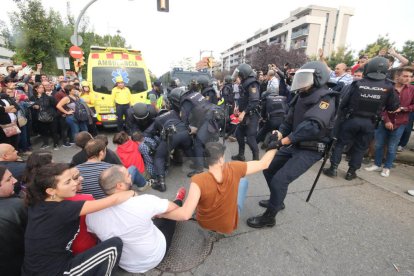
(139, 117)
(273, 111)
(363, 102)
(207, 89)
(174, 134)
(249, 104)
(203, 120)
(228, 96)
(306, 130)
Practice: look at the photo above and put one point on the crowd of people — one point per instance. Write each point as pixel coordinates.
(88, 216)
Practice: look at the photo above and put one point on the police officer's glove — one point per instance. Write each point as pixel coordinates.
(192, 130)
(274, 145)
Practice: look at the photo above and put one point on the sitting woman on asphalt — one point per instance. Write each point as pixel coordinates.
(53, 224)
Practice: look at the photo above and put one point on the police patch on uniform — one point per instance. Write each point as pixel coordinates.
(253, 89)
(323, 105)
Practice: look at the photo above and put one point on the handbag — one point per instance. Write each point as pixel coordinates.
(45, 117)
(10, 129)
(21, 119)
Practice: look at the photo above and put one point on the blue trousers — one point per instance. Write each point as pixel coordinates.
(136, 177)
(390, 138)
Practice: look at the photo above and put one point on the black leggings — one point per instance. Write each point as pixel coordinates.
(99, 260)
(167, 226)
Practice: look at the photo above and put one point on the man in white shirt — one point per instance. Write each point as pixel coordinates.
(273, 82)
(145, 243)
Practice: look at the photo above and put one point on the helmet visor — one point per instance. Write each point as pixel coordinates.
(303, 78)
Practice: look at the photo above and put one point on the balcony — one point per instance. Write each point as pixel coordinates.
(299, 33)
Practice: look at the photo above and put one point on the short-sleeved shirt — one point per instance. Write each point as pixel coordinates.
(51, 228)
(217, 207)
(90, 171)
(144, 245)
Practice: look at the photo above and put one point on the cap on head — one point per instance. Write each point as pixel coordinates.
(119, 79)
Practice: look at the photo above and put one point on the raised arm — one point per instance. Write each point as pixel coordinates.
(262, 164)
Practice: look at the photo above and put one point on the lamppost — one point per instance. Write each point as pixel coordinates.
(75, 31)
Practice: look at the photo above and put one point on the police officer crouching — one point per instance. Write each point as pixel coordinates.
(139, 117)
(173, 133)
(249, 111)
(306, 130)
(362, 104)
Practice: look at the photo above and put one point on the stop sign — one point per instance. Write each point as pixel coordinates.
(75, 52)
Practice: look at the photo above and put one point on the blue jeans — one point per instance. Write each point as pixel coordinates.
(23, 139)
(407, 132)
(136, 177)
(241, 196)
(391, 138)
(75, 126)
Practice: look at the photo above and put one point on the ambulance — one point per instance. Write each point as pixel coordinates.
(105, 64)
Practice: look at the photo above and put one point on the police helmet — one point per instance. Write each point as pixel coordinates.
(376, 68)
(243, 71)
(228, 79)
(140, 111)
(203, 81)
(314, 73)
(175, 96)
(175, 82)
(193, 85)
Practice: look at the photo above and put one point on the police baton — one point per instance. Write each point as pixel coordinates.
(327, 153)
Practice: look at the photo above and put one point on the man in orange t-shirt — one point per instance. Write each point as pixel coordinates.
(218, 194)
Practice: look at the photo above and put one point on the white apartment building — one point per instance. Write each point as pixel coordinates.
(309, 28)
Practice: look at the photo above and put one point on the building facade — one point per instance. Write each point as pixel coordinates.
(308, 28)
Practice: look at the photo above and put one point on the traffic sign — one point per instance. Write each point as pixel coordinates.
(62, 63)
(73, 40)
(75, 52)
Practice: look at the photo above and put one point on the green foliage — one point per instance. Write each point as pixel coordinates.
(40, 36)
(382, 42)
(408, 50)
(342, 55)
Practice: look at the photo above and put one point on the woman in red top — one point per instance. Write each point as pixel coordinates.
(131, 158)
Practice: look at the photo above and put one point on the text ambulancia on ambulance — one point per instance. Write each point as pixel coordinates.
(105, 64)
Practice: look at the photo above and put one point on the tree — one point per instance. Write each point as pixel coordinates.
(382, 42)
(408, 50)
(342, 55)
(274, 54)
(186, 63)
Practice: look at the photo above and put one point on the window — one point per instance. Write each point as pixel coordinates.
(102, 79)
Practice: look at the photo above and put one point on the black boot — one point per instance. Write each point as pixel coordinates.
(255, 156)
(160, 184)
(239, 157)
(266, 219)
(265, 204)
(332, 171)
(350, 174)
(196, 171)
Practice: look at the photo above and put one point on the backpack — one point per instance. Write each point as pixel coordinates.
(81, 113)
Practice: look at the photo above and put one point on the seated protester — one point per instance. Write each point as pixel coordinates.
(53, 223)
(84, 240)
(81, 139)
(131, 158)
(91, 169)
(145, 240)
(217, 195)
(13, 220)
(146, 147)
(10, 159)
(111, 157)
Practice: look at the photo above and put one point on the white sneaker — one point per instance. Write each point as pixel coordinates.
(410, 192)
(400, 149)
(385, 172)
(373, 168)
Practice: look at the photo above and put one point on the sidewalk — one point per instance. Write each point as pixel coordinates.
(407, 156)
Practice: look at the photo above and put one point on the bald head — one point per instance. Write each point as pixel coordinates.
(340, 69)
(8, 153)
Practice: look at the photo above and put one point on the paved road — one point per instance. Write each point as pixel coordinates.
(361, 227)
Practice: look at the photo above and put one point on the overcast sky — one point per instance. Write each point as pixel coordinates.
(194, 25)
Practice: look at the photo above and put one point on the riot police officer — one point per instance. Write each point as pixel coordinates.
(363, 102)
(305, 131)
(273, 111)
(248, 108)
(207, 89)
(139, 117)
(202, 119)
(173, 134)
(174, 83)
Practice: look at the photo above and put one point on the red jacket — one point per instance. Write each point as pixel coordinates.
(130, 155)
(406, 102)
